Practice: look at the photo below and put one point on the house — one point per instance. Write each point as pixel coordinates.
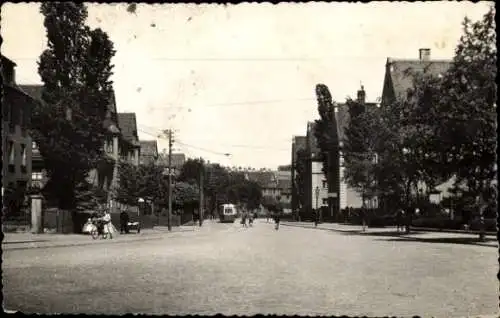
(267, 181)
(130, 146)
(316, 183)
(38, 175)
(285, 197)
(399, 77)
(16, 140)
(349, 197)
(118, 144)
(398, 80)
(177, 161)
(149, 152)
(298, 144)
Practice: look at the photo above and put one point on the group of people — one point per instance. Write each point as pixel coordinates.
(101, 219)
(250, 216)
(247, 215)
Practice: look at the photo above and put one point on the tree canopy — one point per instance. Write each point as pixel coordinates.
(68, 125)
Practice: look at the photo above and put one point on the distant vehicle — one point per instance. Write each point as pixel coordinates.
(228, 212)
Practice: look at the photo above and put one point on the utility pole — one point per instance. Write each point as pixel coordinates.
(169, 217)
(201, 193)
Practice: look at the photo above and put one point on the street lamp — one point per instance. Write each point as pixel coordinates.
(140, 201)
(317, 197)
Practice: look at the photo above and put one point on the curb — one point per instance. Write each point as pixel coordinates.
(430, 229)
(417, 229)
(76, 244)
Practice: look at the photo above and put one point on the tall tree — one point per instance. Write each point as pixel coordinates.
(326, 129)
(68, 126)
(468, 109)
(359, 149)
(61, 142)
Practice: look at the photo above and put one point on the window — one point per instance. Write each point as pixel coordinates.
(324, 184)
(34, 145)
(12, 154)
(36, 176)
(69, 114)
(23, 155)
(325, 201)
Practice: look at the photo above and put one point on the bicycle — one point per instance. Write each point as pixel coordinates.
(104, 233)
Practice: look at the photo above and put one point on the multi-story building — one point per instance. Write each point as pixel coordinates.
(120, 143)
(149, 152)
(16, 140)
(349, 197)
(316, 183)
(398, 80)
(130, 146)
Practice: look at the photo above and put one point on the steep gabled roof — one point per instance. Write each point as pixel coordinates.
(149, 148)
(34, 90)
(178, 160)
(400, 72)
(128, 125)
(7, 61)
(343, 118)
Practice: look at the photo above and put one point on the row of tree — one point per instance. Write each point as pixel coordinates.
(220, 185)
(68, 126)
(444, 128)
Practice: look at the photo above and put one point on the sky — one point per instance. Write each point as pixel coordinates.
(240, 79)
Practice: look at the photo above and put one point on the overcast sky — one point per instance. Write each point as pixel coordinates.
(240, 79)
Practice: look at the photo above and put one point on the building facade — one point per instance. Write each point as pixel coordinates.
(149, 152)
(16, 140)
(398, 80)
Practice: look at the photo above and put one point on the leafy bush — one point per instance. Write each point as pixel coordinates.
(490, 225)
(439, 223)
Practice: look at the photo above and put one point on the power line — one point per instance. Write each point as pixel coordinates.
(160, 136)
(275, 101)
(236, 59)
(203, 149)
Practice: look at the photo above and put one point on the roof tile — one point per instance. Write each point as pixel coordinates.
(128, 125)
(149, 148)
(401, 72)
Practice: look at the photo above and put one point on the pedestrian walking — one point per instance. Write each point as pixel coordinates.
(277, 220)
(244, 219)
(399, 219)
(363, 217)
(124, 219)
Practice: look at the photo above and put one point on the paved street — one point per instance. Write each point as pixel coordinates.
(223, 268)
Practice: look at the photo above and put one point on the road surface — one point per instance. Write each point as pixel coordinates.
(227, 269)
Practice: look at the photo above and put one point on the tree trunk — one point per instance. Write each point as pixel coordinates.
(409, 211)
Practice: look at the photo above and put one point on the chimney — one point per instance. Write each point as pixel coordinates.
(424, 54)
(361, 95)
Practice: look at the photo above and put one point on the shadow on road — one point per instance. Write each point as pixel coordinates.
(445, 240)
(395, 236)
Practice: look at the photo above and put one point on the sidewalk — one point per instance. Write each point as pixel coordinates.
(18, 241)
(421, 235)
